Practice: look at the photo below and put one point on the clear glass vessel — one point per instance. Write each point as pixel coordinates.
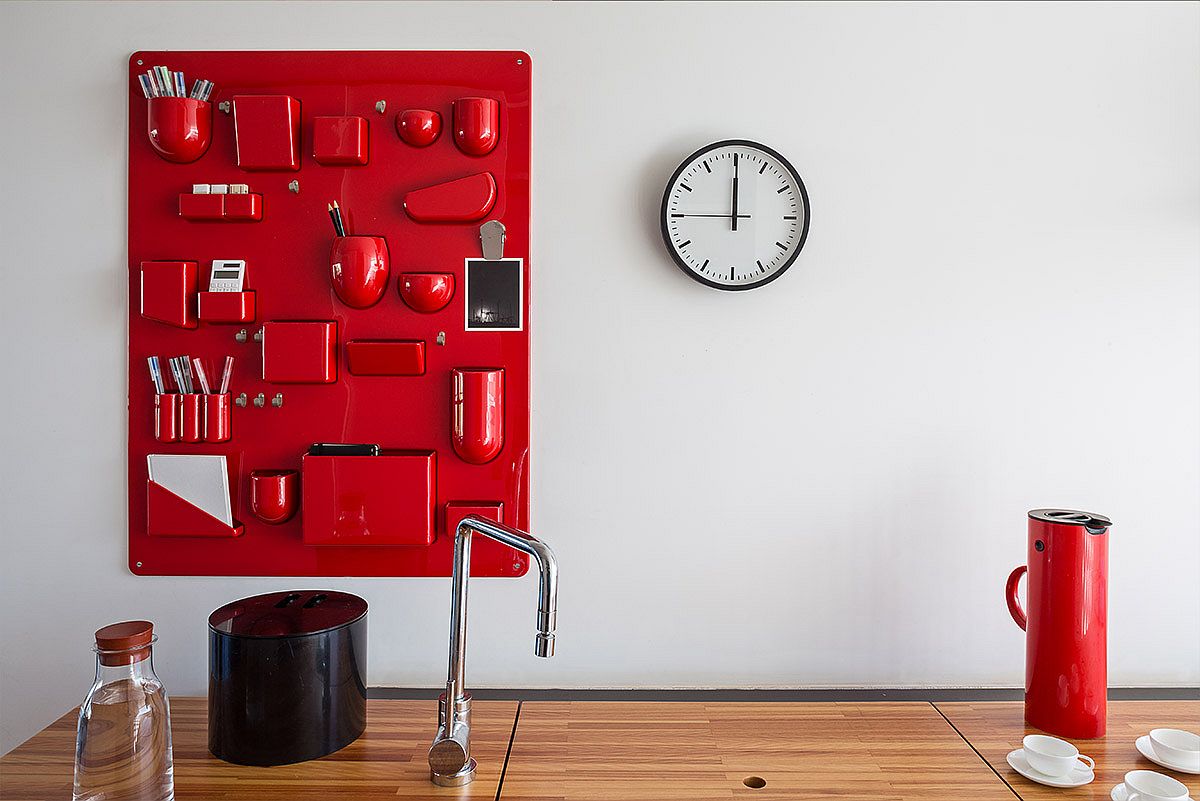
(123, 746)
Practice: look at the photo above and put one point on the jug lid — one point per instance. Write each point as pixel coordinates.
(1070, 517)
(288, 614)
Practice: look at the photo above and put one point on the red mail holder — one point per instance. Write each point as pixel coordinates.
(169, 292)
(168, 515)
(299, 352)
(267, 132)
(369, 500)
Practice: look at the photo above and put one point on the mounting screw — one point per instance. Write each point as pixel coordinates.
(294, 186)
(260, 400)
(258, 335)
(240, 400)
(441, 338)
(381, 106)
(277, 401)
(139, 64)
(241, 336)
(139, 564)
(224, 106)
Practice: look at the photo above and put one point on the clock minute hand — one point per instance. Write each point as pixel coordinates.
(733, 216)
(722, 216)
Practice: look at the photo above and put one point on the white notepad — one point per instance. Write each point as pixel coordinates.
(202, 481)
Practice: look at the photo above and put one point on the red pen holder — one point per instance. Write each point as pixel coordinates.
(358, 268)
(216, 418)
(476, 125)
(477, 414)
(180, 128)
(192, 418)
(168, 417)
(274, 495)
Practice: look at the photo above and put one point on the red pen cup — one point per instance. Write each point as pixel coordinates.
(192, 417)
(180, 128)
(216, 418)
(168, 411)
(358, 268)
(274, 495)
(477, 413)
(476, 125)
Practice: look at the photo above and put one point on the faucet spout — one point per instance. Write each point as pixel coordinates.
(450, 761)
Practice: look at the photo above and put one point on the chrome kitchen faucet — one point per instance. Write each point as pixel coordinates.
(450, 762)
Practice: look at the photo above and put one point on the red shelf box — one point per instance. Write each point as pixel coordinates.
(369, 500)
(226, 307)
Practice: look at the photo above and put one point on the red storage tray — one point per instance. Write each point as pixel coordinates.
(287, 259)
(226, 307)
(362, 501)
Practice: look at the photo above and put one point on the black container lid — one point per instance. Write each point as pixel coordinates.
(1070, 517)
(296, 613)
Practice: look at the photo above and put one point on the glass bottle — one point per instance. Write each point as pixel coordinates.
(123, 746)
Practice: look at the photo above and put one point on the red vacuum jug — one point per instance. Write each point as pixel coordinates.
(1066, 626)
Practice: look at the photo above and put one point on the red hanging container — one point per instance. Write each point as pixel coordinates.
(1065, 622)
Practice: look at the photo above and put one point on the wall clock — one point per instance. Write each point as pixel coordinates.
(735, 215)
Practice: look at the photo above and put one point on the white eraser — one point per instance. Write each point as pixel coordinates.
(201, 189)
(239, 189)
(220, 189)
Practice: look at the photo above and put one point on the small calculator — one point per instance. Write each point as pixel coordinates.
(228, 275)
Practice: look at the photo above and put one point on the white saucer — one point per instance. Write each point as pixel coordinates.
(1076, 778)
(1119, 793)
(1147, 750)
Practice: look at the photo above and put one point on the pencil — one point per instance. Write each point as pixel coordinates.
(338, 222)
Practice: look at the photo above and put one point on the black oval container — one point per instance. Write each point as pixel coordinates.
(287, 676)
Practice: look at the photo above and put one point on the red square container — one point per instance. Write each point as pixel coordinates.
(169, 292)
(201, 207)
(267, 132)
(299, 352)
(243, 208)
(340, 141)
(368, 500)
(385, 357)
(225, 307)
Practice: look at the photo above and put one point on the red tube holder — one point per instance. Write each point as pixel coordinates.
(266, 131)
(216, 417)
(299, 352)
(192, 429)
(385, 357)
(168, 515)
(274, 495)
(169, 292)
(369, 500)
(226, 307)
(168, 417)
(463, 200)
(476, 125)
(477, 413)
(340, 141)
(180, 128)
(358, 269)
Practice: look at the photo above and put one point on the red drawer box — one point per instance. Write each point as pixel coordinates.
(267, 132)
(201, 207)
(299, 352)
(243, 208)
(169, 292)
(385, 357)
(369, 500)
(340, 141)
(226, 307)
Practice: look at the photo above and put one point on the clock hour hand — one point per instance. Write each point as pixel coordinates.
(722, 216)
(733, 216)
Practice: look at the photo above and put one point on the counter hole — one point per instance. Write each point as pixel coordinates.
(755, 782)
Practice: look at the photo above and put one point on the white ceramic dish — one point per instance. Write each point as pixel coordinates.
(1146, 749)
(1076, 778)
(1120, 793)
(1176, 746)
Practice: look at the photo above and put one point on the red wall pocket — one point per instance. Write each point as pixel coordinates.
(376, 351)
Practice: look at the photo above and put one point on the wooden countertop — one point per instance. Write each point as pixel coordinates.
(996, 728)
(687, 751)
(644, 751)
(388, 761)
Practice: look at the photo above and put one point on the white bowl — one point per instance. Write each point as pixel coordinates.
(1176, 745)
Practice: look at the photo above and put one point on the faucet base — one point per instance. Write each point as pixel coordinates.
(464, 776)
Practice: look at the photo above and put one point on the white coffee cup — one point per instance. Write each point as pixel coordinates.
(1054, 757)
(1147, 785)
(1176, 746)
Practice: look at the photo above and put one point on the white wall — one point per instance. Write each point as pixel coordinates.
(820, 483)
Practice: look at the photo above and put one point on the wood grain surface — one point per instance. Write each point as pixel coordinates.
(996, 728)
(388, 761)
(643, 751)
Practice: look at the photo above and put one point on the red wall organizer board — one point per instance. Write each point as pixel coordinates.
(402, 334)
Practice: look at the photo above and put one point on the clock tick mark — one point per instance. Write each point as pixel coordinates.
(707, 167)
(778, 191)
(780, 245)
(688, 188)
(762, 168)
(685, 244)
(786, 217)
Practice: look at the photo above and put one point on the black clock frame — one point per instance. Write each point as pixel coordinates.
(682, 265)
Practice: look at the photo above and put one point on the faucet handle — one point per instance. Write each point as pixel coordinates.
(543, 645)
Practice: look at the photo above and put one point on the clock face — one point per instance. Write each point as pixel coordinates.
(735, 215)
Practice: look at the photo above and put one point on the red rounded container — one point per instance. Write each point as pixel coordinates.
(426, 292)
(1065, 622)
(274, 495)
(358, 268)
(180, 128)
(419, 127)
(476, 125)
(477, 414)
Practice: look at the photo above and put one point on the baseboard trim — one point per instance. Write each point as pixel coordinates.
(943, 695)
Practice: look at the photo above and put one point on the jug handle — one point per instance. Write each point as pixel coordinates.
(1010, 592)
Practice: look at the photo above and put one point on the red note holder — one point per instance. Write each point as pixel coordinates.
(168, 515)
